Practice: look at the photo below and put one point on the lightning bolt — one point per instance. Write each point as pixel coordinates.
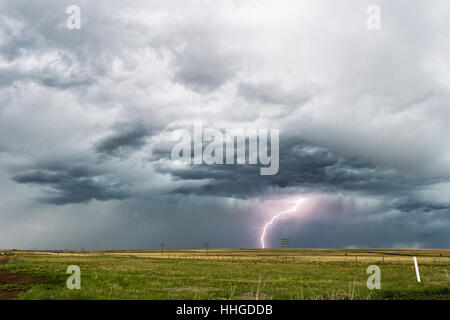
(277, 216)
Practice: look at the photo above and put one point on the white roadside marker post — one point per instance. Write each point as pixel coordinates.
(417, 269)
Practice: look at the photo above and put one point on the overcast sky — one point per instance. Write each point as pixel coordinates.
(86, 118)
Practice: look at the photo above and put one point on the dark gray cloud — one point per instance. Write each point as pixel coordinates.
(409, 205)
(126, 138)
(301, 164)
(73, 185)
(86, 118)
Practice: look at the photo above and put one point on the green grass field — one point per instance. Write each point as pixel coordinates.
(227, 274)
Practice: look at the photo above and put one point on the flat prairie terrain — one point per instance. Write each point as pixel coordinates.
(225, 274)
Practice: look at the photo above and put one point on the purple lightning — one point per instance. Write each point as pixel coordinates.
(279, 214)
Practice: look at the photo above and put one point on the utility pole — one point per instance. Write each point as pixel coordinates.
(162, 245)
(284, 242)
(206, 244)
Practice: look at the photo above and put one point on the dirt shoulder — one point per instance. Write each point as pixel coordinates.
(14, 283)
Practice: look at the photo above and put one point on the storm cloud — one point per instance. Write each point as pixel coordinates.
(87, 116)
(72, 185)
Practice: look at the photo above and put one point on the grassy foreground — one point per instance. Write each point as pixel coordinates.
(230, 274)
